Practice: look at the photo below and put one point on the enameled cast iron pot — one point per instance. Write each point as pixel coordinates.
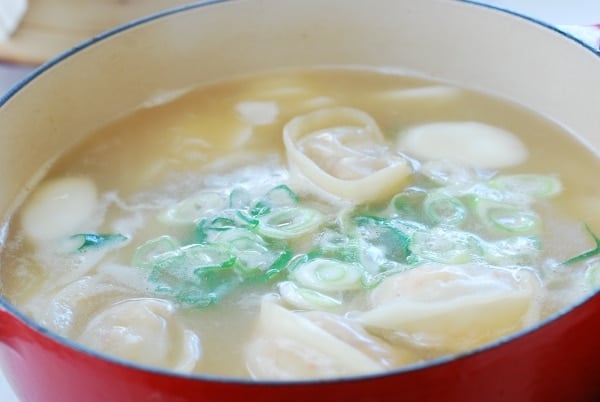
(463, 43)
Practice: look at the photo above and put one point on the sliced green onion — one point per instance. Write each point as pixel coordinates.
(592, 274)
(289, 222)
(446, 173)
(534, 185)
(519, 250)
(148, 253)
(202, 230)
(328, 275)
(207, 229)
(197, 274)
(588, 254)
(446, 246)
(281, 263)
(409, 228)
(278, 197)
(221, 223)
(333, 244)
(406, 205)
(246, 220)
(205, 288)
(484, 193)
(255, 257)
(194, 208)
(212, 256)
(282, 196)
(202, 297)
(252, 256)
(444, 209)
(371, 280)
(377, 232)
(507, 218)
(514, 220)
(228, 236)
(306, 299)
(193, 259)
(239, 198)
(87, 241)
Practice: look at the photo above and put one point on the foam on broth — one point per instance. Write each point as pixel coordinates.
(229, 135)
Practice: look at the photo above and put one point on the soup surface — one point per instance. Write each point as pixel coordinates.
(304, 224)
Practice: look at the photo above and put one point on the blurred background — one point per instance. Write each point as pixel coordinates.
(34, 31)
(557, 12)
(49, 27)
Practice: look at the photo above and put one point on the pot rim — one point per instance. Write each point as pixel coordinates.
(39, 329)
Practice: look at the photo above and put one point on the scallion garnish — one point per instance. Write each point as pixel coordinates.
(289, 222)
(89, 241)
(244, 238)
(588, 254)
(444, 209)
(328, 275)
(533, 185)
(592, 274)
(307, 299)
(278, 197)
(445, 245)
(378, 232)
(191, 210)
(507, 218)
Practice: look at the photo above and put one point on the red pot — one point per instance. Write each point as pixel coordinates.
(463, 43)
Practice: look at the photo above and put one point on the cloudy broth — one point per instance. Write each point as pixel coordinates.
(111, 277)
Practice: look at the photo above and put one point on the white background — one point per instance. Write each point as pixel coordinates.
(560, 12)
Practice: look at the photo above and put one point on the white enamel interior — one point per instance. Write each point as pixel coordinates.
(462, 43)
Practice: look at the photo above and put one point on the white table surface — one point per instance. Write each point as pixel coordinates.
(558, 12)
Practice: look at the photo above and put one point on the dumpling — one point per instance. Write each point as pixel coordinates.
(144, 331)
(60, 311)
(454, 307)
(352, 333)
(289, 346)
(341, 152)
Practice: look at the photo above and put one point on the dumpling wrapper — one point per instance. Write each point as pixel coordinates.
(60, 310)
(144, 331)
(468, 143)
(454, 307)
(342, 152)
(355, 335)
(288, 346)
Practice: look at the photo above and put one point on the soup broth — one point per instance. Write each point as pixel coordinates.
(303, 224)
